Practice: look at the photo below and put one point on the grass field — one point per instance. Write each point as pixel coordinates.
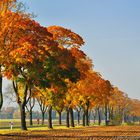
(5, 123)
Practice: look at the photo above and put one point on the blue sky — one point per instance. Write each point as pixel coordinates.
(111, 30)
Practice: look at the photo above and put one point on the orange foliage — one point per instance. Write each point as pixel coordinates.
(65, 36)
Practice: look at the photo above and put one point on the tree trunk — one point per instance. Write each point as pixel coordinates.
(71, 117)
(1, 97)
(50, 117)
(31, 118)
(106, 116)
(78, 117)
(94, 118)
(87, 117)
(31, 105)
(87, 113)
(23, 117)
(43, 118)
(111, 114)
(84, 116)
(67, 117)
(99, 116)
(59, 117)
(22, 104)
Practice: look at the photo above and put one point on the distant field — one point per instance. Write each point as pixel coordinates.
(5, 123)
(81, 133)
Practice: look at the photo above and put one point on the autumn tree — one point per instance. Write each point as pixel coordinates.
(88, 91)
(58, 101)
(58, 69)
(82, 64)
(69, 103)
(69, 42)
(118, 106)
(42, 99)
(25, 55)
(66, 37)
(5, 6)
(8, 28)
(134, 111)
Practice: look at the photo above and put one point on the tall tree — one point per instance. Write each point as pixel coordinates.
(26, 50)
(5, 7)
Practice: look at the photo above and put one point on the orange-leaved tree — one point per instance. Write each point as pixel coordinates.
(118, 106)
(5, 7)
(27, 46)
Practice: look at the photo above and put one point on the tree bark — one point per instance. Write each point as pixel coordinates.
(78, 117)
(43, 118)
(106, 116)
(71, 117)
(31, 105)
(59, 117)
(1, 96)
(99, 116)
(22, 104)
(31, 118)
(87, 117)
(87, 112)
(84, 116)
(50, 117)
(94, 117)
(23, 117)
(67, 117)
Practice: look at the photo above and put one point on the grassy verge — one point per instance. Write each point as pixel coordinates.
(35, 128)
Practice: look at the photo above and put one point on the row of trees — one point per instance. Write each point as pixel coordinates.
(46, 64)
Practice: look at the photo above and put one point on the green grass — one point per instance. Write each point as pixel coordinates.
(5, 126)
(40, 128)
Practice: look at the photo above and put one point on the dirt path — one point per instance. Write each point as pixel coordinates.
(88, 133)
